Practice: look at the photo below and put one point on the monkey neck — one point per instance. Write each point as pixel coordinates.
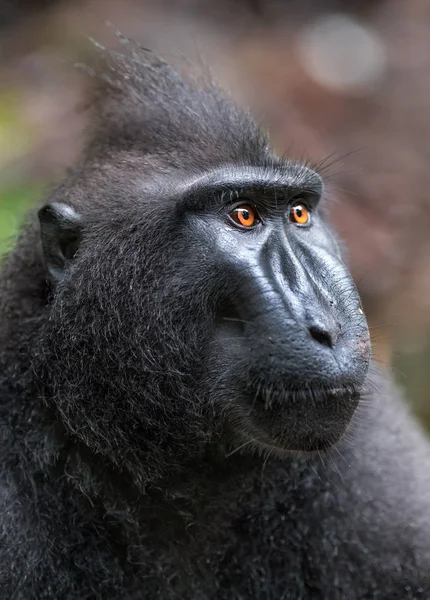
(198, 491)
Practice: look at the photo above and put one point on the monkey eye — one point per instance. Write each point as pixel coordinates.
(299, 213)
(244, 215)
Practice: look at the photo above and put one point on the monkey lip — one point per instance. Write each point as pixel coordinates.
(304, 421)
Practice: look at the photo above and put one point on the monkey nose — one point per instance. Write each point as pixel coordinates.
(325, 334)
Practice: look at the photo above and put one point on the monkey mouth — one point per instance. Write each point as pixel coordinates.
(304, 421)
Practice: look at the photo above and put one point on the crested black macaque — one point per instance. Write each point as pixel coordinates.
(186, 410)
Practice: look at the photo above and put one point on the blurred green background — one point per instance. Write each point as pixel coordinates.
(14, 202)
(16, 197)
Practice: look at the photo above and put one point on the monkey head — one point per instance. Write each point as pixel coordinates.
(197, 291)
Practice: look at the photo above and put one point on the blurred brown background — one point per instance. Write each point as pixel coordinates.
(343, 83)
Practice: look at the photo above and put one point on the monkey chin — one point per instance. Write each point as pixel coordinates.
(306, 422)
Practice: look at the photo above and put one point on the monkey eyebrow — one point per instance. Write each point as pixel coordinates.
(249, 180)
(247, 176)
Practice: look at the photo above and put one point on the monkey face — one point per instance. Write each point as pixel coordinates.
(224, 307)
(290, 347)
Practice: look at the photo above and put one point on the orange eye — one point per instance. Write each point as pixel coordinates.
(299, 214)
(244, 215)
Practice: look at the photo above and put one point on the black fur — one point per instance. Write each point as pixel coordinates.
(121, 426)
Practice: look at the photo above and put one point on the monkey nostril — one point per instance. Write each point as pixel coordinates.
(321, 336)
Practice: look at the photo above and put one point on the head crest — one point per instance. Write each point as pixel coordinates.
(144, 105)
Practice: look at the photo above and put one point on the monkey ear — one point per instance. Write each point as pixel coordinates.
(60, 232)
